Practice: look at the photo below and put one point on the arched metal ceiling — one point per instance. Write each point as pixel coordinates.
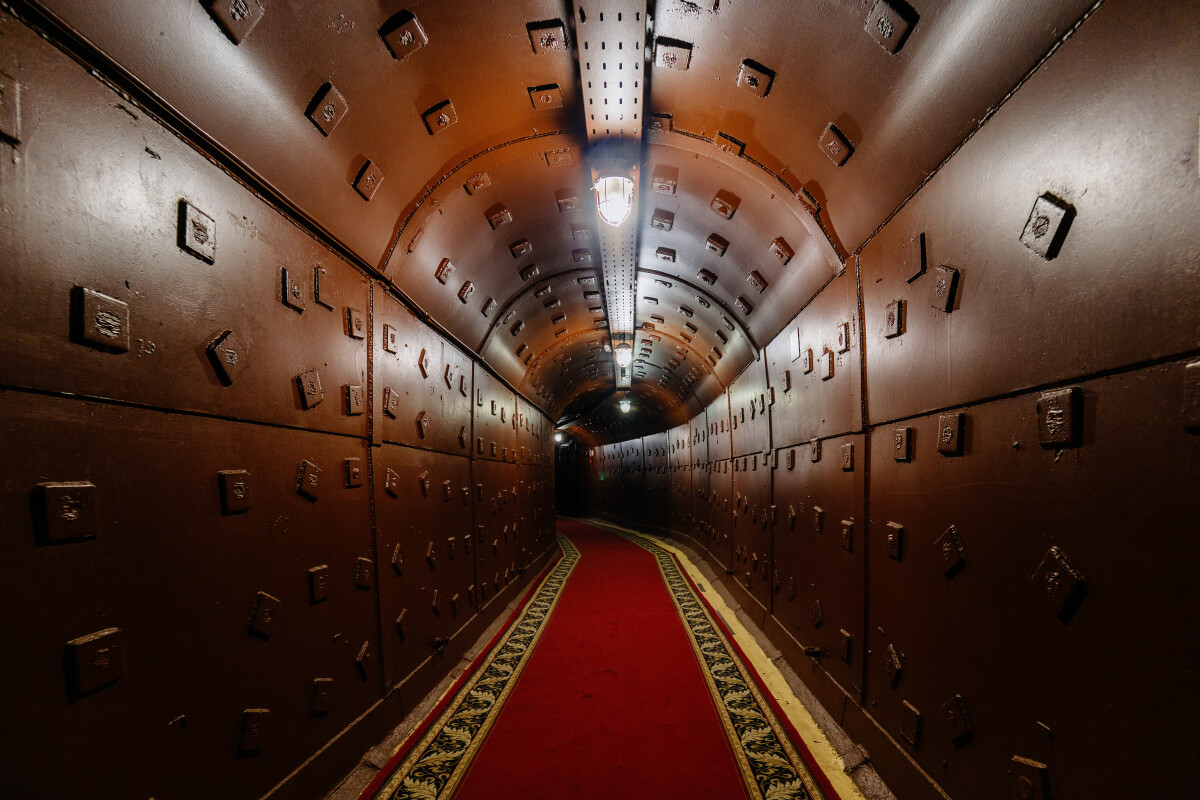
(446, 146)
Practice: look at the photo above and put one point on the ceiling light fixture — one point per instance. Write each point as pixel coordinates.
(625, 405)
(624, 355)
(614, 198)
(558, 437)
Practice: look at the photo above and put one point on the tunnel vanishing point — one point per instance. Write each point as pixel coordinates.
(888, 311)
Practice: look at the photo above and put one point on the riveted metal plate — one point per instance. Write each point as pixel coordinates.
(816, 614)
(902, 443)
(531, 271)
(547, 36)
(353, 397)
(725, 204)
(263, 614)
(236, 17)
(391, 402)
(318, 583)
(364, 572)
(910, 724)
(893, 665)
(848, 457)
(848, 535)
(440, 117)
(1058, 581)
(519, 248)
(252, 737)
(94, 661)
(894, 541)
(951, 428)
(546, 97)
(308, 481)
(665, 254)
(889, 23)
(782, 250)
(835, 145)
(945, 288)
(291, 291)
(365, 660)
(327, 109)
(66, 511)
(948, 549)
(99, 321)
(321, 696)
(356, 323)
(234, 489)
(1030, 779)
(846, 645)
(389, 339)
(354, 473)
(958, 721)
(662, 220)
(498, 216)
(197, 232)
(672, 53)
(818, 519)
(403, 35)
(368, 180)
(581, 256)
(825, 366)
(807, 362)
(1060, 418)
(757, 281)
(755, 78)
(915, 258)
(10, 109)
(893, 319)
(477, 183)
(814, 450)
(309, 385)
(445, 269)
(1047, 226)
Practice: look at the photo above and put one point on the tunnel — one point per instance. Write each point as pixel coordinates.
(324, 321)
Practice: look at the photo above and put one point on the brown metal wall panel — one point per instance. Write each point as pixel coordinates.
(749, 411)
(821, 556)
(422, 385)
(1121, 289)
(104, 300)
(719, 513)
(497, 514)
(815, 369)
(751, 530)
(719, 429)
(495, 431)
(215, 611)
(423, 517)
(1058, 574)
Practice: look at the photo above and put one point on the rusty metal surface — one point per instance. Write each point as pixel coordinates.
(751, 534)
(750, 408)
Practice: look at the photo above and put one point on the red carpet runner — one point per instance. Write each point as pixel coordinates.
(612, 682)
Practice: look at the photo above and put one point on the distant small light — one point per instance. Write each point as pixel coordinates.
(614, 199)
(558, 437)
(624, 404)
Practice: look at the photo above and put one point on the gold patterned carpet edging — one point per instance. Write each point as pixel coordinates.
(439, 761)
(771, 767)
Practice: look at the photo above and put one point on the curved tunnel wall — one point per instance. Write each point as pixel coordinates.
(252, 245)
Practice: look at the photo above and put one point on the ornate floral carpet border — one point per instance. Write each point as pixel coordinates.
(438, 762)
(771, 766)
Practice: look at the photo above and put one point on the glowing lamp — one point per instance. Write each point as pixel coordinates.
(558, 437)
(614, 198)
(624, 404)
(624, 355)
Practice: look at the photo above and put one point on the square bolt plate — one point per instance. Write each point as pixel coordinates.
(902, 443)
(66, 512)
(835, 145)
(327, 109)
(308, 479)
(755, 78)
(228, 356)
(291, 291)
(197, 232)
(94, 661)
(893, 319)
(440, 117)
(949, 552)
(311, 393)
(368, 180)
(950, 434)
(100, 321)
(1046, 228)
(318, 583)
(889, 24)
(10, 109)
(945, 287)
(236, 17)
(1059, 417)
(910, 724)
(547, 36)
(546, 97)
(895, 541)
(672, 53)
(234, 487)
(254, 730)
(354, 473)
(403, 35)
